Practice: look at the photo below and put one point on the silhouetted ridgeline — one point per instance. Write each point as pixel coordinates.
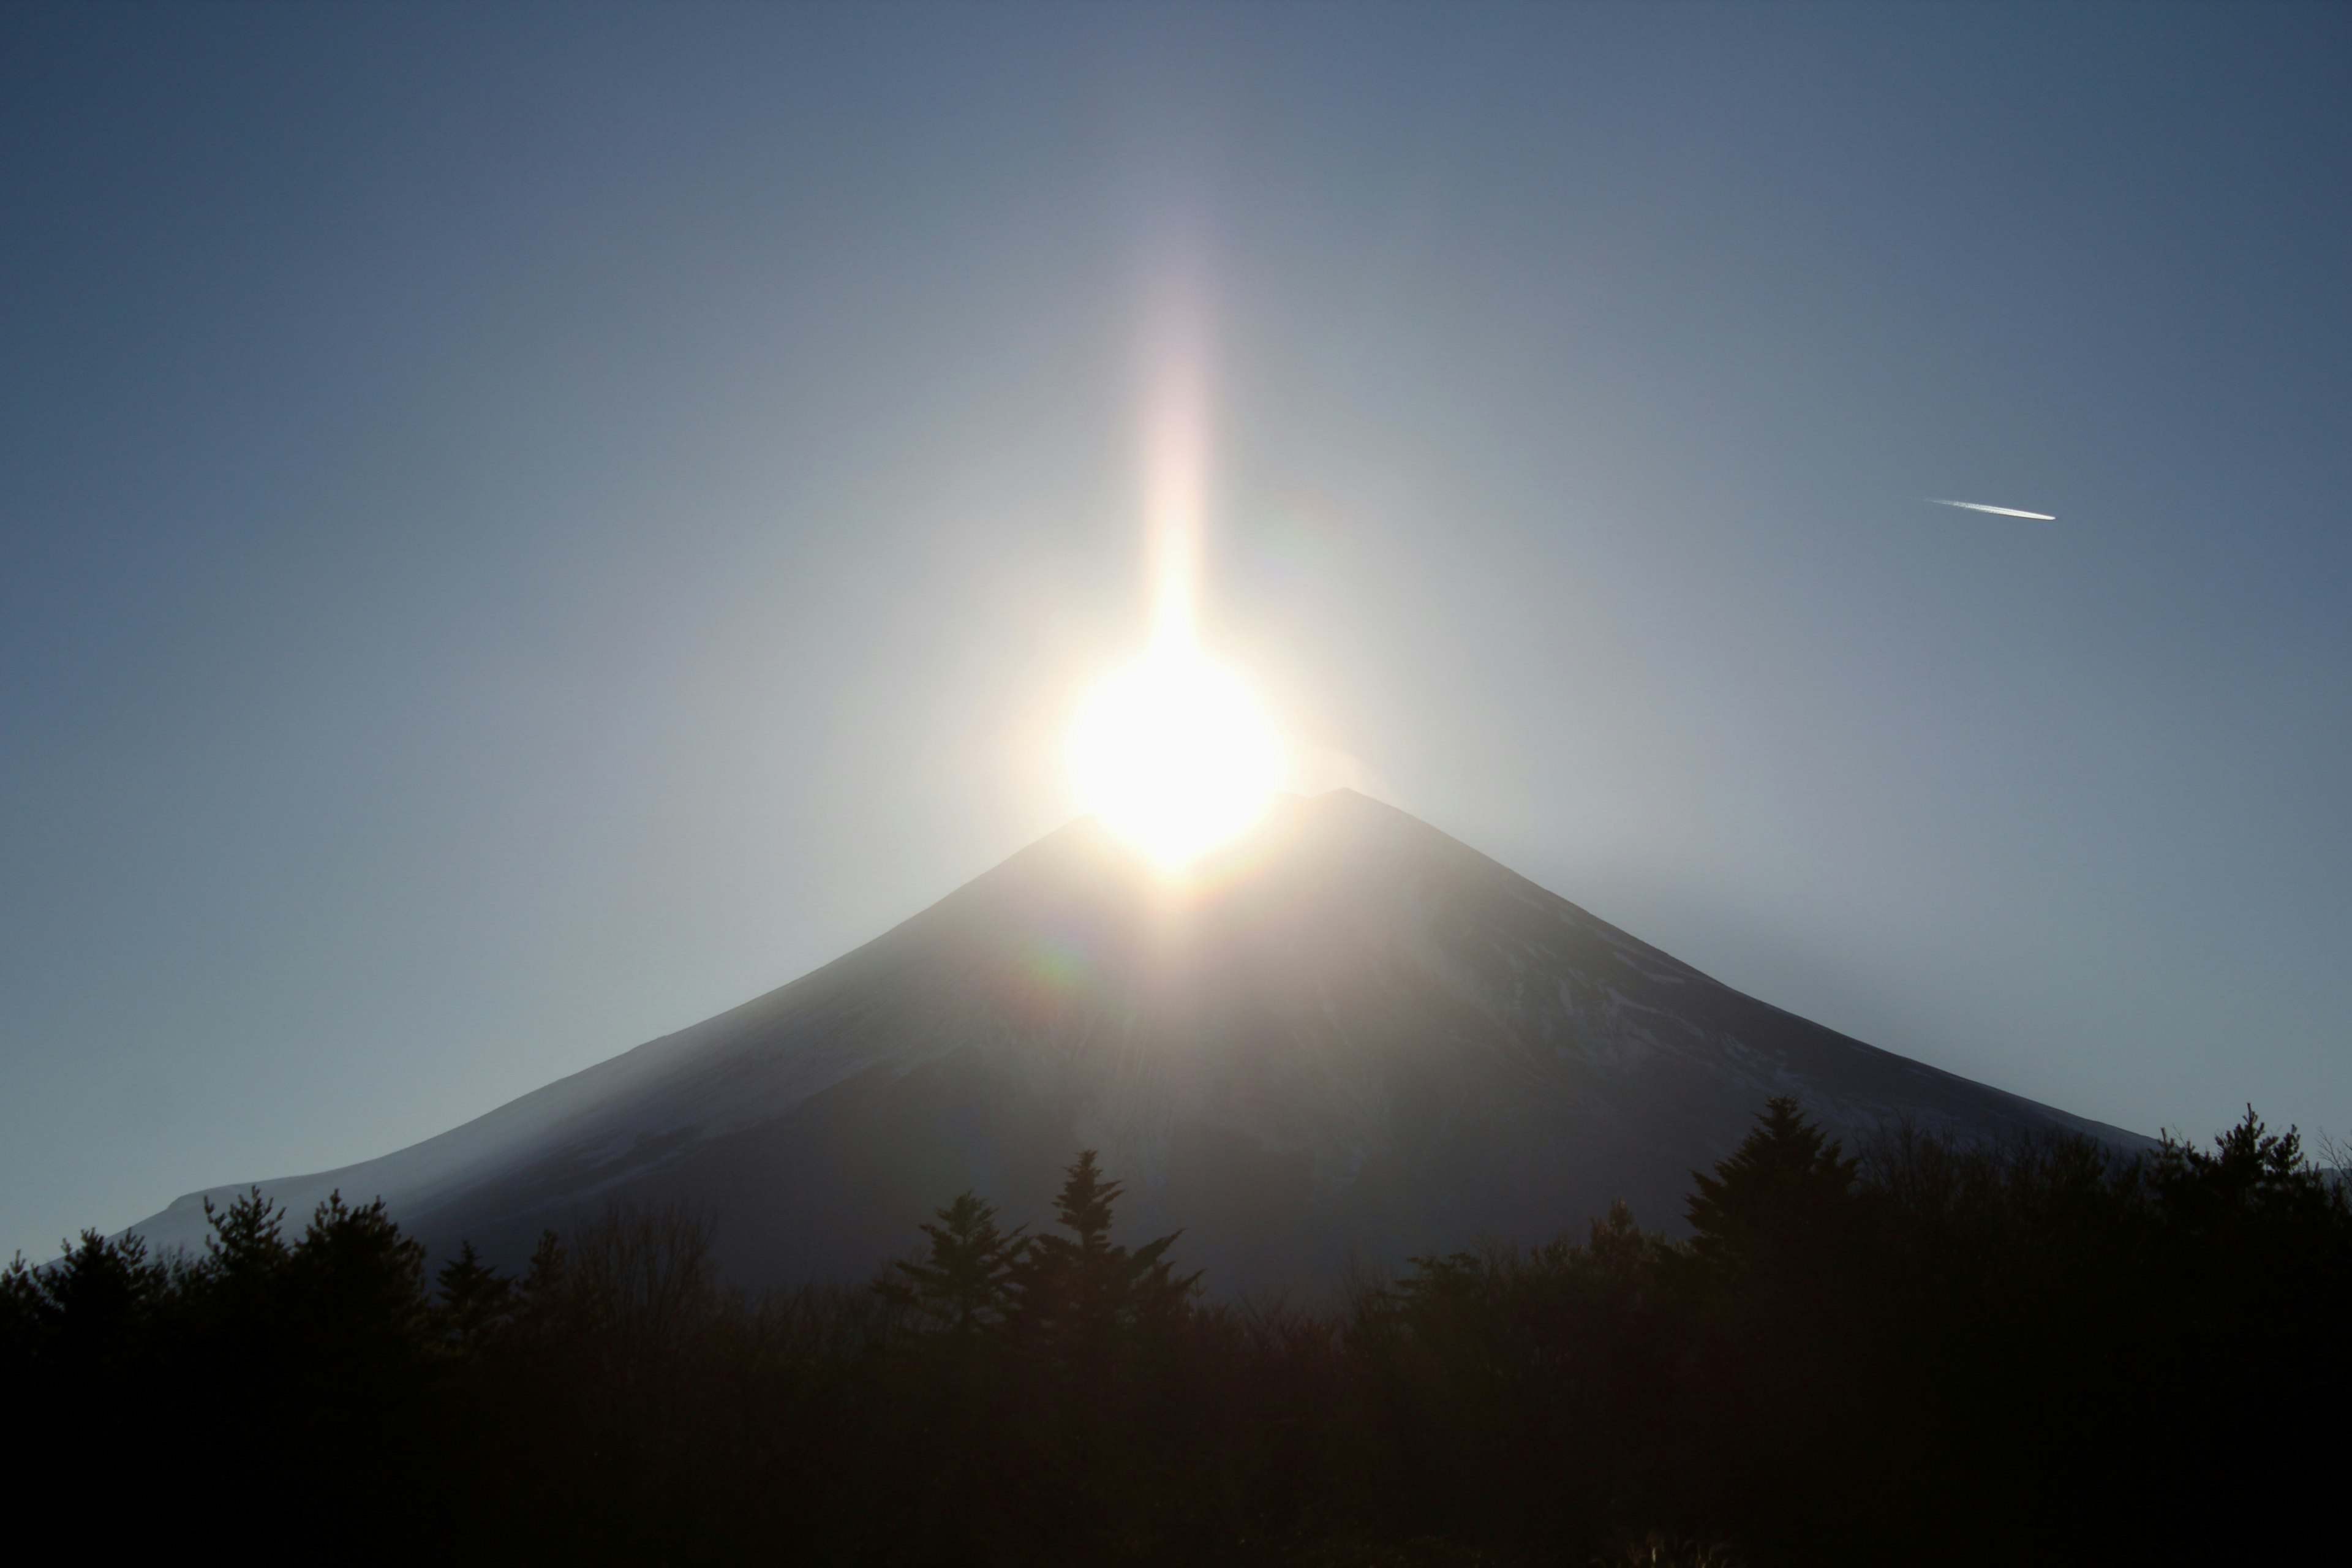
(1934, 1354)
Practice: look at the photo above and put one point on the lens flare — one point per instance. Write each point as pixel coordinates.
(1172, 751)
(1174, 754)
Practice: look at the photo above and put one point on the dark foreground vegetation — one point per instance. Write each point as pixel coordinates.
(2045, 1353)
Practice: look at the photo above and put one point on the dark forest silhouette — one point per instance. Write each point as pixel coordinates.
(1929, 1353)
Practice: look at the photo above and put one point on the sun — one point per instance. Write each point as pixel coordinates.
(1174, 754)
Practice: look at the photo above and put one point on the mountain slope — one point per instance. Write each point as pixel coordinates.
(1357, 1037)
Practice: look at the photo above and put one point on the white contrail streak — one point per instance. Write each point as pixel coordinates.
(1996, 511)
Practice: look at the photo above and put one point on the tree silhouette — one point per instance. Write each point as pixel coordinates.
(965, 1285)
(244, 1246)
(2051, 1350)
(1782, 1191)
(354, 1268)
(2251, 1173)
(543, 1278)
(476, 1300)
(1077, 1291)
(93, 1310)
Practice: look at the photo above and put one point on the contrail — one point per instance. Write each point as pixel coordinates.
(1997, 510)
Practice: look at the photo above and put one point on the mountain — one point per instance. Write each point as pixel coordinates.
(1352, 1039)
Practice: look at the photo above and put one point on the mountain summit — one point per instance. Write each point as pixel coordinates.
(1353, 1038)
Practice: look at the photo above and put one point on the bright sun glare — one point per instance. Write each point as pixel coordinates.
(1173, 753)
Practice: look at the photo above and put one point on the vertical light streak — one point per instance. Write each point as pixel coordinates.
(1175, 474)
(1172, 751)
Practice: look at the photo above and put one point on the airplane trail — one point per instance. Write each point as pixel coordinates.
(1997, 510)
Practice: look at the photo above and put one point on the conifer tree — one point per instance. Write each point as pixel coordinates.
(543, 1277)
(238, 1287)
(476, 1299)
(965, 1285)
(354, 1268)
(24, 1314)
(542, 1298)
(1782, 1189)
(1081, 1288)
(247, 1240)
(91, 1307)
(2251, 1172)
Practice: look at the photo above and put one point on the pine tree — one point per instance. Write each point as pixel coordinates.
(543, 1300)
(1079, 1289)
(1783, 1190)
(965, 1285)
(354, 1270)
(25, 1314)
(2251, 1173)
(247, 1241)
(549, 1266)
(476, 1299)
(90, 1309)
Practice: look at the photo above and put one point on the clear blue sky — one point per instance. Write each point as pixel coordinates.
(522, 528)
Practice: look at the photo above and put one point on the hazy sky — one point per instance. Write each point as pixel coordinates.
(520, 529)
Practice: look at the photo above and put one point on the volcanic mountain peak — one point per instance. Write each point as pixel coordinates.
(1351, 1036)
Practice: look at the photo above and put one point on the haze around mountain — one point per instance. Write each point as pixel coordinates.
(1345, 1039)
